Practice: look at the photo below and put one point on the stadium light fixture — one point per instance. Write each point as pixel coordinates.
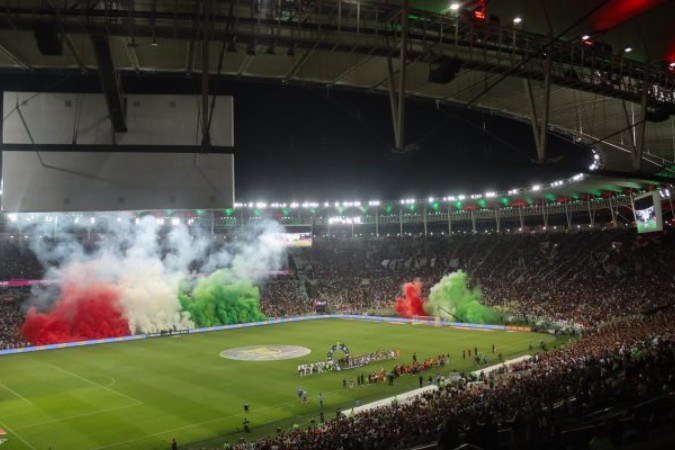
(294, 205)
(92, 220)
(513, 191)
(431, 199)
(672, 65)
(454, 6)
(261, 205)
(490, 194)
(536, 187)
(585, 37)
(628, 49)
(461, 197)
(517, 20)
(175, 221)
(160, 221)
(578, 177)
(451, 198)
(374, 203)
(326, 204)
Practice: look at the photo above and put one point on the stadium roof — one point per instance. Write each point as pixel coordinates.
(600, 94)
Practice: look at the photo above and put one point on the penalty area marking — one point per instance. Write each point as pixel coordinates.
(265, 352)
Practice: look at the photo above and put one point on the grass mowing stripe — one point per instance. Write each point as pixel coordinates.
(198, 424)
(15, 393)
(77, 416)
(106, 388)
(4, 425)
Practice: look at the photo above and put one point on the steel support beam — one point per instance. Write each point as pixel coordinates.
(14, 58)
(206, 35)
(109, 82)
(400, 118)
(543, 129)
(641, 125)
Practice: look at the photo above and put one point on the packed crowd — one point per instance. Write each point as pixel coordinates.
(618, 364)
(581, 277)
(17, 261)
(10, 319)
(282, 298)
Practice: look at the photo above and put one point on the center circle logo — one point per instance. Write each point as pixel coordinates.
(265, 352)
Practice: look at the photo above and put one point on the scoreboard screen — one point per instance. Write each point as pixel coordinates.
(647, 209)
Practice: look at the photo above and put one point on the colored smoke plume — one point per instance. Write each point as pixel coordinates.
(453, 300)
(215, 300)
(82, 312)
(141, 263)
(411, 304)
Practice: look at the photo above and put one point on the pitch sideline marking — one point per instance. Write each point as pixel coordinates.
(106, 388)
(192, 425)
(15, 393)
(18, 435)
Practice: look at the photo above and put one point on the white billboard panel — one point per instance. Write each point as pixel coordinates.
(32, 118)
(104, 181)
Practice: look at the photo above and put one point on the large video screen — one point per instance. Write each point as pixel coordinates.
(648, 212)
(296, 239)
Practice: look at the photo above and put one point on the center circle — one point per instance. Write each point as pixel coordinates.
(265, 352)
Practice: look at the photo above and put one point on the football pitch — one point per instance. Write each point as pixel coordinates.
(141, 394)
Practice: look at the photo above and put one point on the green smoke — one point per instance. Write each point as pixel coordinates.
(218, 300)
(451, 299)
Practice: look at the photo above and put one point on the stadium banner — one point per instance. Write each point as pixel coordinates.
(72, 344)
(472, 326)
(24, 283)
(518, 328)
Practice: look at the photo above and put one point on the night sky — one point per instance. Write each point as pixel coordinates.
(312, 144)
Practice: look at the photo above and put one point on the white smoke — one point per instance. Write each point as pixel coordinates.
(146, 261)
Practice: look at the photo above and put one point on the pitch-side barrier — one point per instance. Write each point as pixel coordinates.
(381, 319)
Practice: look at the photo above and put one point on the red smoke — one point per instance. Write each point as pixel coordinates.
(81, 313)
(410, 304)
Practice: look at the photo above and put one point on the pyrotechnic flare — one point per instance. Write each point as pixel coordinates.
(127, 281)
(91, 311)
(214, 302)
(411, 304)
(451, 299)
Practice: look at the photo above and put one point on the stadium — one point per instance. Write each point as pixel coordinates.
(336, 224)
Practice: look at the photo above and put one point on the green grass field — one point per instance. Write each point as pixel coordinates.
(139, 395)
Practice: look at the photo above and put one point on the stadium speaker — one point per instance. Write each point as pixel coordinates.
(48, 38)
(659, 112)
(446, 71)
